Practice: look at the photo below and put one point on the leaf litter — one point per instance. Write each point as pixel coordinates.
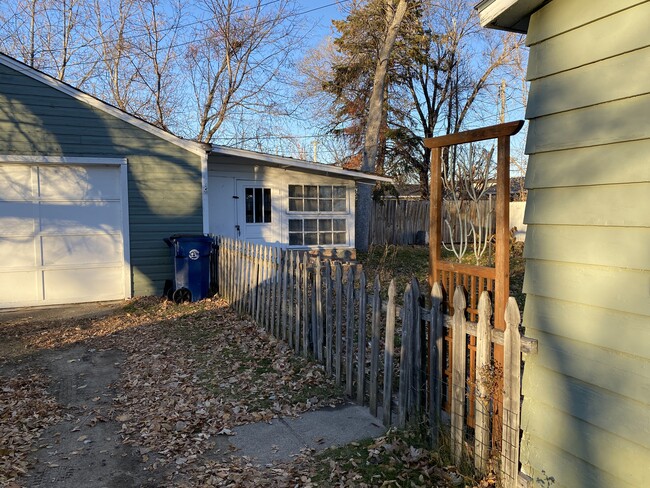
(193, 373)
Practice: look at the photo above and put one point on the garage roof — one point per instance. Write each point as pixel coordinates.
(264, 159)
(193, 146)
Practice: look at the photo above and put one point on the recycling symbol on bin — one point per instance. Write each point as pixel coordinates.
(194, 254)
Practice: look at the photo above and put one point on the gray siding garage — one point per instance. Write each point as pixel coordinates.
(87, 193)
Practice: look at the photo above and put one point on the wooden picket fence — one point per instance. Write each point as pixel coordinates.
(323, 309)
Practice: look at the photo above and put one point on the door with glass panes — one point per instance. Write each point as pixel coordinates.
(255, 215)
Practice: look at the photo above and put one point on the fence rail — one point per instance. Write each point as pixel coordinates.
(323, 308)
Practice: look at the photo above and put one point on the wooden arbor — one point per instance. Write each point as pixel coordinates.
(442, 271)
(474, 279)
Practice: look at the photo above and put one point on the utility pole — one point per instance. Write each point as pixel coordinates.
(502, 97)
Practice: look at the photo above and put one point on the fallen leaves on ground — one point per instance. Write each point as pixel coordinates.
(26, 409)
(194, 376)
(194, 372)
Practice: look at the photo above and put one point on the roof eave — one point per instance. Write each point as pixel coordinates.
(509, 15)
(297, 164)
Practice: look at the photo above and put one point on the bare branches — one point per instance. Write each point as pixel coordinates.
(472, 209)
(235, 58)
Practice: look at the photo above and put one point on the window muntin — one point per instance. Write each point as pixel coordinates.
(258, 205)
(317, 232)
(317, 198)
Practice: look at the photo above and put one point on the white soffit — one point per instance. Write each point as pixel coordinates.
(510, 15)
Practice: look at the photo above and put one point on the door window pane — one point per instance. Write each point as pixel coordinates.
(258, 205)
(249, 205)
(267, 205)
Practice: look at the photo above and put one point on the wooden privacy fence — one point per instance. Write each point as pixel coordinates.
(398, 222)
(386, 355)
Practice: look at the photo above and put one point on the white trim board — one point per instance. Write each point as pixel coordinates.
(192, 146)
(20, 159)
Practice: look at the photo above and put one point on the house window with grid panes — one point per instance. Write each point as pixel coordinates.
(317, 232)
(317, 198)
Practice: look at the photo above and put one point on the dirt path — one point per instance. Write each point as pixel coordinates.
(85, 449)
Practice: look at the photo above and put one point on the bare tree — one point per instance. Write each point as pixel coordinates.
(157, 73)
(117, 53)
(49, 35)
(239, 53)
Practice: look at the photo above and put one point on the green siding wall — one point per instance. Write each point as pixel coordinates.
(586, 412)
(164, 179)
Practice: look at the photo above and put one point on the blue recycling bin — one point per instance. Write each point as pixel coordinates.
(191, 255)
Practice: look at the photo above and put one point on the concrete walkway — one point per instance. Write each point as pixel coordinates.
(283, 438)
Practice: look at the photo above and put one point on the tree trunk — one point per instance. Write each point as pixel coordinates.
(373, 125)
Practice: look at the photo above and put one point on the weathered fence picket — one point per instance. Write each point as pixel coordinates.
(308, 303)
(374, 346)
(482, 398)
(458, 376)
(349, 332)
(338, 287)
(361, 364)
(389, 339)
(328, 317)
(305, 304)
(435, 361)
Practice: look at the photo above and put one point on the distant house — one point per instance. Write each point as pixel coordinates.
(586, 395)
(88, 192)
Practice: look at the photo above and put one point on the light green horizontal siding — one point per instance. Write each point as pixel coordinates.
(559, 17)
(602, 205)
(601, 327)
(586, 394)
(619, 289)
(618, 121)
(611, 79)
(164, 180)
(610, 36)
(584, 245)
(616, 414)
(599, 367)
(582, 440)
(566, 467)
(627, 162)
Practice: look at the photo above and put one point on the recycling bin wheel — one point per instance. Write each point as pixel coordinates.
(182, 295)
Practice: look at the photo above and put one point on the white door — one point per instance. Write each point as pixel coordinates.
(257, 221)
(61, 234)
(222, 198)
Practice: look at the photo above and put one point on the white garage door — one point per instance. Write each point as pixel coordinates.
(61, 234)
